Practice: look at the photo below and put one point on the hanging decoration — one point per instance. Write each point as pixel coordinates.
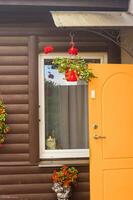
(72, 50)
(48, 49)
(74, 68)
(4, 128)
(71, 75)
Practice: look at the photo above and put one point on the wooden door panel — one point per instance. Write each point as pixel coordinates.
(117, 116)
(118, 184)
(111, 156)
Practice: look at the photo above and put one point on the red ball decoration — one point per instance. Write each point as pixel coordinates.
(73, 51)
(48, 49)
(71, 75)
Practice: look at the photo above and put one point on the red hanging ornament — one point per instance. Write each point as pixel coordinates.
(48, 49)
(73, 51)
(67, 74)
(71, 75)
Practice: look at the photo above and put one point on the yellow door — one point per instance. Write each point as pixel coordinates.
(111, 132)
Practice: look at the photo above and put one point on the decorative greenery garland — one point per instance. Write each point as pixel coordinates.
(4, 128)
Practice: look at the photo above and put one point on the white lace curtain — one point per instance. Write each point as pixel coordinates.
(67, 116)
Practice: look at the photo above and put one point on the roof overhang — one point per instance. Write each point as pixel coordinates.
(130, 8)
(92, 19)
(110, 5)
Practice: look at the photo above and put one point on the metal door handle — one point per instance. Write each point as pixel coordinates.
(99, 137)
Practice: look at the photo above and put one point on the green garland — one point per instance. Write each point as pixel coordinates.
(4, 128)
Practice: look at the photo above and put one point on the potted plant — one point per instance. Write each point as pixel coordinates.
(3, 126)
(63, 180)
(74, 68)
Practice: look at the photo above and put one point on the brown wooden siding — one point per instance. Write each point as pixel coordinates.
(14, 93)
(31, 182)
(20, 176)
(33, 100)
(84, 41)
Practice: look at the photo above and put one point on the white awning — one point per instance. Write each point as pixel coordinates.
(92, 19)
(130, 9)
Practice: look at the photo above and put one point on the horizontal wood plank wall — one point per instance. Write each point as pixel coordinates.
(14, 93)
(95, 5)
(33, 183)
(20, 176)
(83, 40)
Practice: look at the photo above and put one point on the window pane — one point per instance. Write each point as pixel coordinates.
(66, 119)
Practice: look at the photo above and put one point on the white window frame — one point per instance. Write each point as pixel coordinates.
(65, 153)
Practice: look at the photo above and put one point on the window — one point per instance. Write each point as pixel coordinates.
(63, 111)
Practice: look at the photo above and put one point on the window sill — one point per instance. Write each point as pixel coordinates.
(60, 163)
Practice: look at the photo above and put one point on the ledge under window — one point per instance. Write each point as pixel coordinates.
(60, 163)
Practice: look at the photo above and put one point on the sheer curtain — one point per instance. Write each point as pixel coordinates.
(67, 116)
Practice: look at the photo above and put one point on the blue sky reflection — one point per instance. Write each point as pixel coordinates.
(56, 77)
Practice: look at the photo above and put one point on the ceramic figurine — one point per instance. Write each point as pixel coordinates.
(63, 193)
(51, 142)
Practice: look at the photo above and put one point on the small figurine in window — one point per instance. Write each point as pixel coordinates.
(51, 142)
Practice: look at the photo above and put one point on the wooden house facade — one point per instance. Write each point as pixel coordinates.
(25, 28)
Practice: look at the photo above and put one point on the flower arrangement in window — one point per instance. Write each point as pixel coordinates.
(74, 67)
(66, 176)
(4, 128)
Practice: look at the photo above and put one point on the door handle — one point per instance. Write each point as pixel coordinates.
(96, 137)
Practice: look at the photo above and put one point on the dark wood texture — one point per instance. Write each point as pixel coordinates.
(20, 44)
(25, 15)
(114, 57)
(69, 5)
(33, 99)
(14, 92)
(31, 182)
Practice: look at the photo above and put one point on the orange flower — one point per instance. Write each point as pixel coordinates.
(66, 176)
(3, 126)
(2, 111)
